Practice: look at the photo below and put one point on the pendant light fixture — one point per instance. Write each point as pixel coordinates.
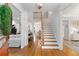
(39, 5)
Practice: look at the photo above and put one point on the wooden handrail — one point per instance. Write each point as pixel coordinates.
(42, 28)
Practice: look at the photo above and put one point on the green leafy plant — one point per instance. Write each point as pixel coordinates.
(5, 19)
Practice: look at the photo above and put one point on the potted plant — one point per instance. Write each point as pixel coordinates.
(5, 24)
(5, 19)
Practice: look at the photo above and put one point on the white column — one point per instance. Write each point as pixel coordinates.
(24, 30)
(59, 30)
(61, 34)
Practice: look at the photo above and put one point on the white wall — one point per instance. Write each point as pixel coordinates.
(24, 26)
(16, 17)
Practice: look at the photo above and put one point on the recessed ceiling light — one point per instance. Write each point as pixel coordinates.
(50, 12)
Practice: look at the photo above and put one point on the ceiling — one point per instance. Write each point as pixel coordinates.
(65, 8)
(72, 11)
(45, 6)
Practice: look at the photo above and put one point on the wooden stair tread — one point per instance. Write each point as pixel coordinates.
(75, 40)
(49, 38)
(50, 41)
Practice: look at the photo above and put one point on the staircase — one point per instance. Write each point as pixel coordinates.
(49, 35)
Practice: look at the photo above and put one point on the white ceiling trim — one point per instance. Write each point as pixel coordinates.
(18, 7)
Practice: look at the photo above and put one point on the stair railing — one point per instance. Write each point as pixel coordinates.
(42, 29)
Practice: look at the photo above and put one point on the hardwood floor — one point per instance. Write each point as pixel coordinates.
(34, 49)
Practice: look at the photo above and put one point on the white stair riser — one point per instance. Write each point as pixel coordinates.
(50, 47)
(50, 43)
(52, 28)
(48, 22)
(50, 40)
(49, 33)
(49, 30)
(49, 26)
(49, 37)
